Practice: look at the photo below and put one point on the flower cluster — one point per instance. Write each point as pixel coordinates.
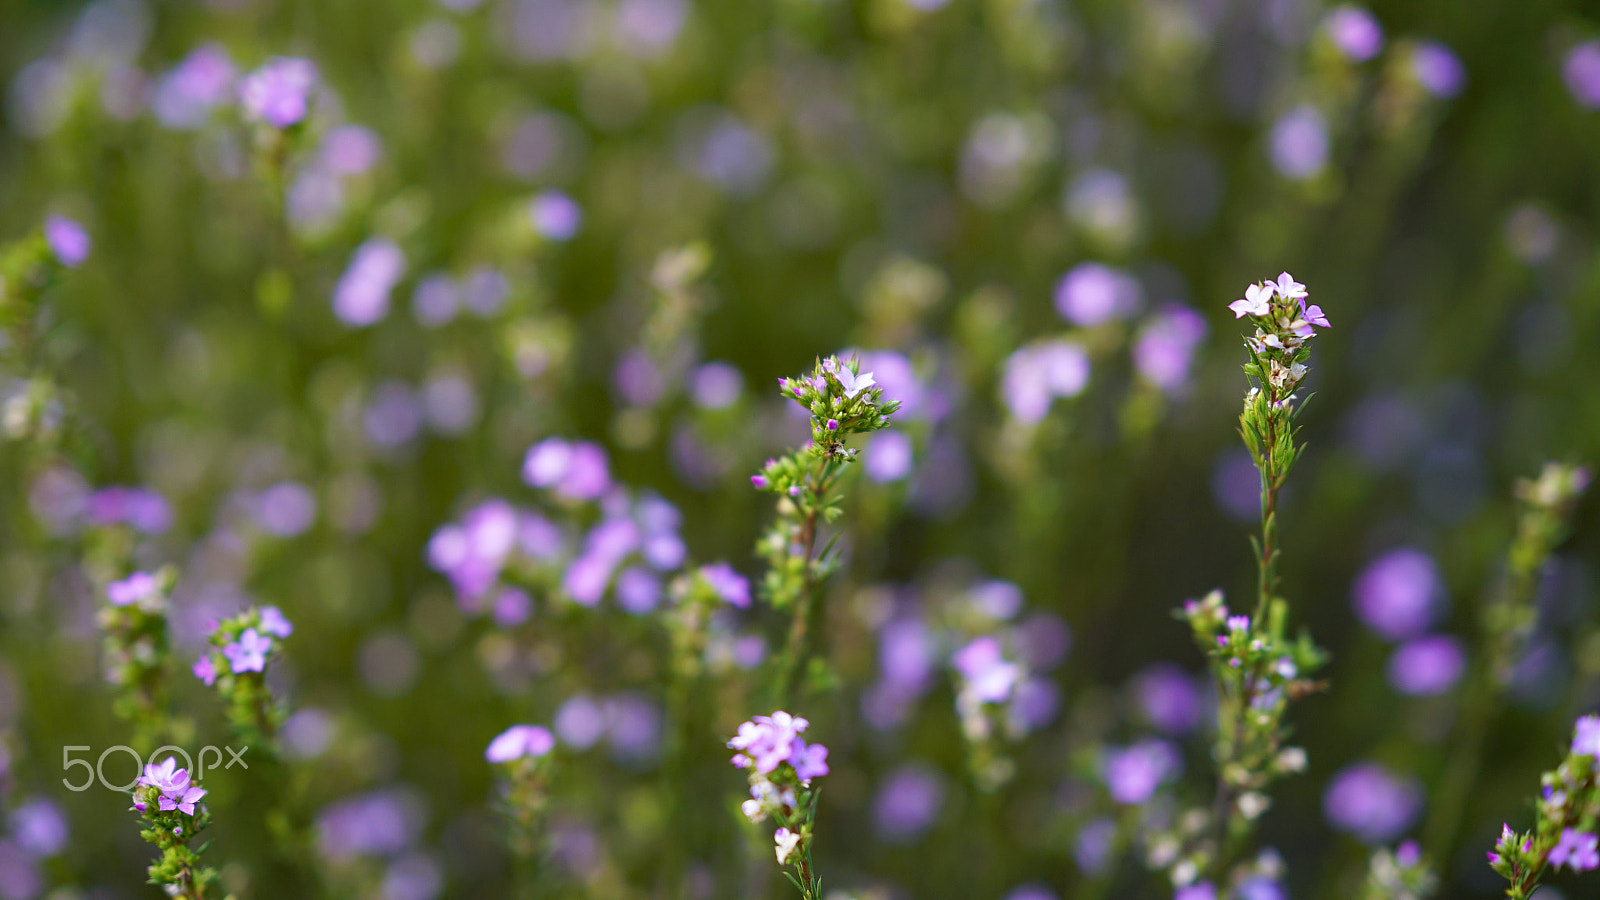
(523, 753)
(1567, 832)
(1401, 874)
(174, 816)
(842, 401)
(782, 767)
(135, 627)
(236, 665)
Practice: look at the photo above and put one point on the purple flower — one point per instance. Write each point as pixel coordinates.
(809, 760)
(1368, 802)
(67, 240)
(1437, 69)
(1427, 666)
(1198, 891)
(1586, 736)
(361, 297)
(1582, 73)
(833, 424)
(132, 589)
(285, 509)
(907, 804)
(638, 591)
(1398, 594)
(518, 741)
(166, 777)
(205, 669)
(1092, 293)
(556, 216)
(1133, 773)
(989, 677)
(1257, 301)
(1036, 375)
(888, 456)
(145, 510)
(273, 622)
(39, 827)
(1165, 346)
(766, 741)
(278, 93)
(1168, 698)
(716, 385)
(183, 803)
(189, 91)
(732, 587)
(350, 150)
(249, 652)
(1355, 32)
(576, 470)
(1577, 850)
(1299, 143)
(759, 481)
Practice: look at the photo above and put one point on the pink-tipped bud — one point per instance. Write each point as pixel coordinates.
(833, 424)
(794, 491)
(760, 481)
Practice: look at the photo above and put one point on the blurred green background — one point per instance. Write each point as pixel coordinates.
(913, 176)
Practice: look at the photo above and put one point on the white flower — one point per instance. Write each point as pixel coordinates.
(1288, 288)
(786, 842)
(1256, 302)
(852, 383)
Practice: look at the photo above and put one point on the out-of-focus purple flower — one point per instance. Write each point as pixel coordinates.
(1260, 889)
(485, 291)
(1034, 705)
(539, 538)
(361, 297)
(140, 508)
(471, 554)
(894, 373)
(988, 676)
(1199, 891)
(1092, 293)
(1427, 666)
(732, 587)
(1577, 850)
(906, 652)
(1168, 698)
(1437, 69)
(716, 385)
(1354, 31)
(1165, 346)
(1582, 73)
(249, 652)
(638, 379)
(512, 607)
(273, 622)
(580, 722)
(132, 589)
(999, 600)
(449, 402)
(638, 591)
(888, 456)
(1091, 849)
(436, 300)
(205, 669)
(907, 803)
(67, 239)
(1368, 802)
(647, 28)
(576, 470)
(1036, 375)
(19, 872)
(39, 827)
(518, 741)
(189, 91)
(556, 216)
(382, 823)
(1586, 736)
(1133, 773)
(285, 509)
(1398, 595)
(350, 150)
(1299, 143)
(633, 728)
(279, 92)
(393, 417)
(726, 152)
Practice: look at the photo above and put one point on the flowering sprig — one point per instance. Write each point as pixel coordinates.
(174, 816)
(236, 665)
(987, 682)
(842, 401)
(134, 622)
(1256, 668)
(1567, 830)
(522, 753)
(1542, 523)
(1400, 874)
(782, 767)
